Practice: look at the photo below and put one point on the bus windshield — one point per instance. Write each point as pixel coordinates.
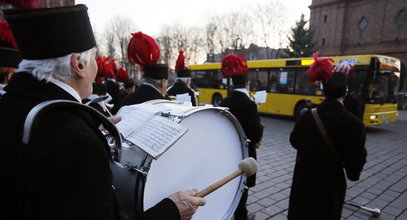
(383, 88)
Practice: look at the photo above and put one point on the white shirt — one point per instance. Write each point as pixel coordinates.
(67, 88)
(2, 92)
(242, 90)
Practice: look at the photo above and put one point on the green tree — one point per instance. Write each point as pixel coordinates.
(301, 41)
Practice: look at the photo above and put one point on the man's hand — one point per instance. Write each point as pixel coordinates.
(187, 203)
(115, 119)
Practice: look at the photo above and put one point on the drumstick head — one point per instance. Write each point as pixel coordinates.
(249, 166)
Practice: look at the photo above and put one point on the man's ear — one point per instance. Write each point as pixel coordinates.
(78, 66)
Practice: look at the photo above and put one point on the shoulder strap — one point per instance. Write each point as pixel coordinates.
(322, 130)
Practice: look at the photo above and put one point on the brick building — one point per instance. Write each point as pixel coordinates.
(43, 4)
(345, 27)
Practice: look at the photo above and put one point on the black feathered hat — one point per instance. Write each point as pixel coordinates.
(43, 33)
(235, 67)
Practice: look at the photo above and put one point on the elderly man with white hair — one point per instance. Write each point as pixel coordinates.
(63, 172)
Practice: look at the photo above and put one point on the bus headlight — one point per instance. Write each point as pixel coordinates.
(373, 117)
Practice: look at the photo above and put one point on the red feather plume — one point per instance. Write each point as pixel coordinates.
(22, 3)
(6, 37)
(122, 75)
(112, 63)
(142, 50)
(180, 64)
(321, 69)
(105, 69)
(232, 64)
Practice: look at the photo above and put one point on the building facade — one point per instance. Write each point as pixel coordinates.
(347, 27)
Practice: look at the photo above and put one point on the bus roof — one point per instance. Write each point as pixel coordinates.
(357, 60)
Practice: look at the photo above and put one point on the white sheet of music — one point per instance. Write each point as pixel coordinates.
(153, 133)
(260, 96)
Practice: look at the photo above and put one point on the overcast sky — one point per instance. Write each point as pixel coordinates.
(151, 15)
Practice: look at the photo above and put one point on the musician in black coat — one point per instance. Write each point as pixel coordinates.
(64, 171)
(182, 84)
(245, 110)
(319, 173)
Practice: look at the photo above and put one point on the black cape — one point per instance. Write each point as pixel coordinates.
(319, 177)
(180, 87)
(143, 94)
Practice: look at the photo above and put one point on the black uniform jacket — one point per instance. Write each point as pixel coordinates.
(353, 105)
(319, 179)
(180, 87)
(64, 172)
(245, 110)
(143, 94)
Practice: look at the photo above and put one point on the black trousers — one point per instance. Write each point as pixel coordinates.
(241, 210)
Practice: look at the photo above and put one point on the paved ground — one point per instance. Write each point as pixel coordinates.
(382, 185)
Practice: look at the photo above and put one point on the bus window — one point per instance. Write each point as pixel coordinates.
(258, 80)
(282, 81)
(207, 79)
(304, 86)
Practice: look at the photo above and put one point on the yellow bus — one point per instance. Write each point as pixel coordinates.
(375, 84)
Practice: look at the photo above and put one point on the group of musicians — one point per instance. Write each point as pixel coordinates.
(64, 170)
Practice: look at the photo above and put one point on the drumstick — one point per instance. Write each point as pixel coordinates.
(247, 167)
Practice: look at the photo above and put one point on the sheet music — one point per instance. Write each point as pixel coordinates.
(156, 136)
(260, 96)
(144, 126)
(184, 97)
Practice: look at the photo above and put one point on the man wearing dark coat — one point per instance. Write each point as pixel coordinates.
(182, 84)
(319, 184)
(64, 170)
(245, 110)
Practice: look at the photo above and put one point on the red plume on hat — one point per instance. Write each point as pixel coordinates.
(180, 64)
(22, 3)
(232, 64)
(346, 68)
(122, 75)
(112, 63)
(321, 69)
(143, 50)
(105, 69)
(6, 37)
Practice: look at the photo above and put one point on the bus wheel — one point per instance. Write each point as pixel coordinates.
(298, 108)
(216, 99)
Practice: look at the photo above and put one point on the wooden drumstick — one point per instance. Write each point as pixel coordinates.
(247, 167)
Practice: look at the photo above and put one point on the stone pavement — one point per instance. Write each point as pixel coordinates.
(383, 182)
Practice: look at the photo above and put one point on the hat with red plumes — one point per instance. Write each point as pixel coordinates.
(44, 33)
(22, 3)
(334, 83)
(345, 67)
(9, 54)
(180, 68)
(122, 75)
(105, 69)
(112, 63)
(144, 51)
(235, 67)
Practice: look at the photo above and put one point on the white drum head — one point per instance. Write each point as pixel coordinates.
(209, 151)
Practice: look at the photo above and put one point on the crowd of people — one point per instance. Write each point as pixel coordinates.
(48, 54)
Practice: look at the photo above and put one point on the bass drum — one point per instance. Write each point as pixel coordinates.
(211, 149)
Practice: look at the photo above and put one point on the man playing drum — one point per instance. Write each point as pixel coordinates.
(245, 110)
(64, 172)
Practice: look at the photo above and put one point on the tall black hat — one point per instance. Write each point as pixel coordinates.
(44, 33)
(144, 51)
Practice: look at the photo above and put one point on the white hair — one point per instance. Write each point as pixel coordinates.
(154, 82)
(183, 79)
(53, 69)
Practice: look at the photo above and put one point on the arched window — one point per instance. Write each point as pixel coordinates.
(363, 24)
(401, 17)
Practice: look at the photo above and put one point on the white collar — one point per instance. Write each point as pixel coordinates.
(149, 84)
(67, 88)
(2, 92)
(242, 90)
(340, 101)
